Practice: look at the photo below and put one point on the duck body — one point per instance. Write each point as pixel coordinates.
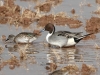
(23, 37)
(56, 40)
(62, 38)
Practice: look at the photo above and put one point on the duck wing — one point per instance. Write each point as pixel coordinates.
(69, 34)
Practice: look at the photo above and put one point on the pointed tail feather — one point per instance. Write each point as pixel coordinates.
(85, 36)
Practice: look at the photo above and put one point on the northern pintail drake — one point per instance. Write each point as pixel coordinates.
(23, 37)
(62, 38)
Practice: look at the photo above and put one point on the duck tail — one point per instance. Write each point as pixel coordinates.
(81, 37)
(85, 36)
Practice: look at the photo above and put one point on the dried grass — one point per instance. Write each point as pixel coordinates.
(60, 19)
(93, 25)
(72, 69)
(92, 36)
(12, 62)
(55, 2)
(1, 49)
(87, 69)
(97, 1)
(97, 11)
(3, 37)
(45, 7)
(97, 46)
(13, 16)
(51, 67)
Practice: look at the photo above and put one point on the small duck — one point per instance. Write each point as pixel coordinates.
(62, 38)
(23, 37)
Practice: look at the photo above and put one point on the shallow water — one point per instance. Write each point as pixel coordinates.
(39, 54)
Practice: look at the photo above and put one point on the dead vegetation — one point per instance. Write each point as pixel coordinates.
(97, 1)
(87, 69)
(97, 11)
(17, 61)
(55, 2)
(1, 50)
(51, 67)
(37, 32)
(59, 20)
(45, 7)
(35, 1)
(13, 16)
(92, 36)
(96, 46)
(73, 69)
(93, 25)
(12, 63)
(73, 11)
(3, 37)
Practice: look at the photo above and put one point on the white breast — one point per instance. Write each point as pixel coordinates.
(58, 41)
(47, 37)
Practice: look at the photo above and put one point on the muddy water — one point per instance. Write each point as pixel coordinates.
(38, 54)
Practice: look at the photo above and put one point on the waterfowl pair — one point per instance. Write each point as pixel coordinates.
(59, 38)
(62, 38)
(23, 37)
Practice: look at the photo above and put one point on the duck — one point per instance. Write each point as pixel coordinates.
(23, 37)
(62, 38)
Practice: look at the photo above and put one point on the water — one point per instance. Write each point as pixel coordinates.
(38, 54)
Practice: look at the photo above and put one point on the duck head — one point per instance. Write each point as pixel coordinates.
(49, 27)
(10, 38)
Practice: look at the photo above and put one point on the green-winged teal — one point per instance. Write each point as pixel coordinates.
(23, 37)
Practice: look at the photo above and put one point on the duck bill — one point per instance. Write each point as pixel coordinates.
(42, 30)
(6, 39)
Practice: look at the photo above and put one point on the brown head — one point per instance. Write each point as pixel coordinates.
(50, 27)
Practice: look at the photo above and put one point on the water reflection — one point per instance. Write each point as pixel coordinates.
(59, 61)
(23, 57)
(66, 61)
(28, 48)
(63, 55)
